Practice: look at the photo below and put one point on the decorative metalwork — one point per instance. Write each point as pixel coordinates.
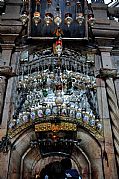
(50, 88)
(55, 127)
(5, 144)
(24, 16)
(56, 145)
(47, 141)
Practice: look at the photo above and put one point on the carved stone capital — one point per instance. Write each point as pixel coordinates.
(6, 71)
(108, 73)
(105, 49)
(7, 46)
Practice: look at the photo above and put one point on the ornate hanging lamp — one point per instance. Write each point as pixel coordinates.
(48, 18)
(68, 16)
(79, 14)
(48, 13)
(57, 16)
(24, 13)
(91, 19)
(36, 16)
(24, 17)
(57, 48)
(49, 2)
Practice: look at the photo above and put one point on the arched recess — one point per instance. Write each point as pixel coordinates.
(24, 160)
(21, 144)
(29, 165)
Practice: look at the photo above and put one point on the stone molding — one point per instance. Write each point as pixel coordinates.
(105, 49)
(108, 73)
(6, 71)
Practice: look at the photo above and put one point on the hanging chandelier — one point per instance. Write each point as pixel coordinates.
(36, 15)
(56, 89)
(57, 47)
(57, 16)
(48, 18)
(91, 20)
(79, 13)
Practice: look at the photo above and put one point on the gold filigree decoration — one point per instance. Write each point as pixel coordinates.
(13, 132)
(55, 127)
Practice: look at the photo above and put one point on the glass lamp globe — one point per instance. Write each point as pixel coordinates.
(36, 18)
(48, 18)
(49, 2)
(58, 47)
(57, 20)
(57, 16)
(80, 18)
(99, 126)
(68, 19)
(59, 100)
(91, 20)
(24, 18)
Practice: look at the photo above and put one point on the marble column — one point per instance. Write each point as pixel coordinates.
(2, 94)
(107, 73)
(5, 73)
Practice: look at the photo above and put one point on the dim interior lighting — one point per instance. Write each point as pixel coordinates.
(24, 18)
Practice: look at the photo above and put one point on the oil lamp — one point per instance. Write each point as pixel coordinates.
(48, 18)
(80, 18)
(36, 18)
(68, 19)
(57, 16)
(58, 47)
(24, 17)
(91, 20)
(59, 100)
(68, 16)
(49, 2)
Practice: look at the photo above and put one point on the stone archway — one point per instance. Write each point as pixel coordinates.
(87, 158)
(78, 158)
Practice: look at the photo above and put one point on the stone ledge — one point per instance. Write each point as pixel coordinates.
(6, 71)
(106, 73)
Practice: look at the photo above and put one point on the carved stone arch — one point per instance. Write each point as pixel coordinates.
(85, 159)
(93, 150)
(21, 145)
(29, 166)
(27, 160)
(82, 166)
